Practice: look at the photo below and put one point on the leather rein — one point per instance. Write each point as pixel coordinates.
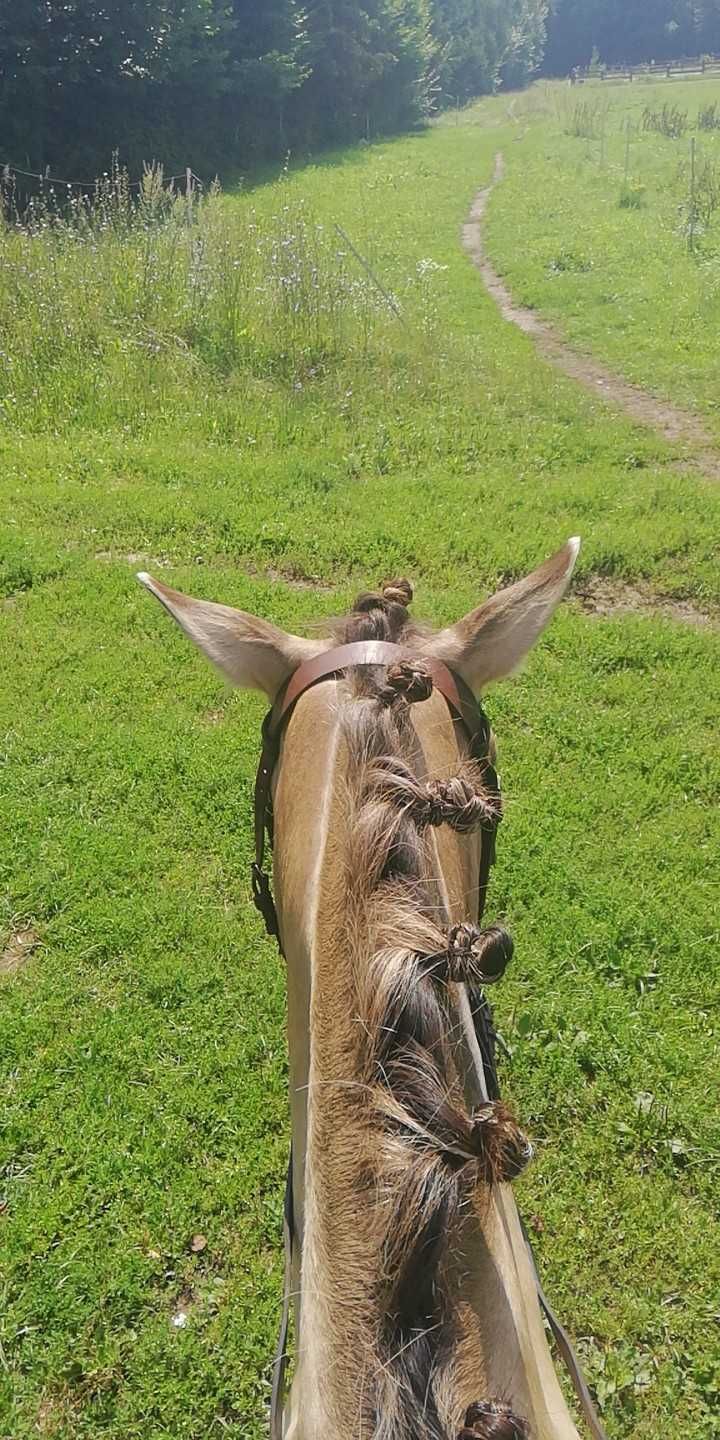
(467, 711)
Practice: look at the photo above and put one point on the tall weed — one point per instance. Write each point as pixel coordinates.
(108, 297)
(709, 116)
(668, 120)
(586, 119)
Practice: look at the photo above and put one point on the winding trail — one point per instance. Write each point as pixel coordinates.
(677, 427)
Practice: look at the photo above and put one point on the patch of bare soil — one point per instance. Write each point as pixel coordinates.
(213, 717)
(295, 579)
(183, 1308)
(18, 949)
(603, 597)
(55, 1413)
(675, 426)
(134, 557)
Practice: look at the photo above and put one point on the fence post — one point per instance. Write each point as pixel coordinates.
(692, 215)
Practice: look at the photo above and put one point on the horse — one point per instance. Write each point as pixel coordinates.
(415, 1301)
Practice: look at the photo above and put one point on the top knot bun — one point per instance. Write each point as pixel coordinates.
(489, 1420)
(398, 592)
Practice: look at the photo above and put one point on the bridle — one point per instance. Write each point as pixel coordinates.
(466, 711)
(330, 664)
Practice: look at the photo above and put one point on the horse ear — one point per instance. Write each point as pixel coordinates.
(248, 651)
(493, 640)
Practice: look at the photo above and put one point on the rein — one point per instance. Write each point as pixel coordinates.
(467, 711)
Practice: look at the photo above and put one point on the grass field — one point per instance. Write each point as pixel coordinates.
(635, 276)
(175, 400)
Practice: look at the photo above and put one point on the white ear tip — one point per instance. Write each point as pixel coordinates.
(573, 547)
(144, 578)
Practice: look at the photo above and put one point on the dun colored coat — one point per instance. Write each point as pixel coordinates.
(416, 1315)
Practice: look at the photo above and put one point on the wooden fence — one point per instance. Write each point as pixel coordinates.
(653, 70)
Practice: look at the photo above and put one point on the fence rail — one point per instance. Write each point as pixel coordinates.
(652, 70)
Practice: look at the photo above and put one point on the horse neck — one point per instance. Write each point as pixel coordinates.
(498, 1346)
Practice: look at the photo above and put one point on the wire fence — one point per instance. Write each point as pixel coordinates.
(8, 170)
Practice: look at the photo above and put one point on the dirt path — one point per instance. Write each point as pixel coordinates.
(676, 426)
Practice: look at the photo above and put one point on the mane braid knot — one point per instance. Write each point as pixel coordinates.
(503, 1149)
(398, 592)
(473, 956)
(455, 802)
(488, 1420)
(408, 681)
(395, 596)
(459, 802)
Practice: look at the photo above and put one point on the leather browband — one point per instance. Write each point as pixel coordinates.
(327, 664)
(379, 652)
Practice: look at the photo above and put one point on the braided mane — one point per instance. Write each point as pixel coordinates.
(433, 1152)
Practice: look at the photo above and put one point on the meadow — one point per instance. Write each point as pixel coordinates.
(219, 393)
(635, 277)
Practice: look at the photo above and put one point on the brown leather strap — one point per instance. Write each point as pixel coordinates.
(379, 652)
(261, 888)
(469, 711)
(481, 1057)
(329, 663)
(564, 1344)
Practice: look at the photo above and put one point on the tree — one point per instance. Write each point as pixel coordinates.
(223, 84)
(471, 37)
(267, 64)
(369, 67)
(628, 31)
(79, 78)
(482, 43)
(526, 43)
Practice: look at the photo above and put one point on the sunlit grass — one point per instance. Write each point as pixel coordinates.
(109, 309)
(143, 1051)
(615, 231)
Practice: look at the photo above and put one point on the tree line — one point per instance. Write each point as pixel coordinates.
(223, 85)
(629, 31)
(227, 85)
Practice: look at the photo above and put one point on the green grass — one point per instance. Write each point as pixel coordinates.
(142, 1043)
(597, 235)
